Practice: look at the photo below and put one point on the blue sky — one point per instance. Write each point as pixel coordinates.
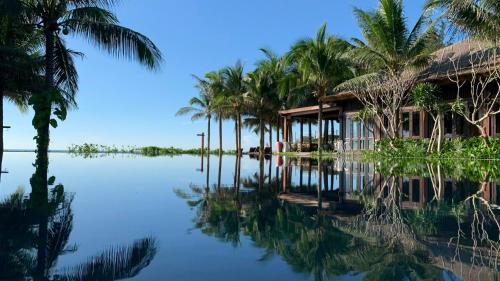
(121, 103)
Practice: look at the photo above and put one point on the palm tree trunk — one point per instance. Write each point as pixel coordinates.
(320, 128)
(1, 120)
(208, 135)
(220, 136)
(43, 105)
(278, 130)
(261, 128)
(219, 175)
(208, 172)
(320, 187)
(236, 135)
(239, 135)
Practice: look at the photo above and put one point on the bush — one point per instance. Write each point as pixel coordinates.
(469, 148)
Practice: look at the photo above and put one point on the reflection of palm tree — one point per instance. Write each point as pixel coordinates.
(39, 227)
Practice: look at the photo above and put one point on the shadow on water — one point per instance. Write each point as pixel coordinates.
(35, 229)
(405, 220)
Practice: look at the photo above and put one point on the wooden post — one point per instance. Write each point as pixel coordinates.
(327, 124)
(285, 130)
(301, 133)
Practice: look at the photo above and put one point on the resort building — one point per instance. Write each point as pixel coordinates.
(342, 131)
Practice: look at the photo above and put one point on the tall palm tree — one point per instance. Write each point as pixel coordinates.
(202, 106)
(477, 18)
(216, 82)
(276, 70)
(235, 90)
(321, 66)
(257, 85)
(92, 20)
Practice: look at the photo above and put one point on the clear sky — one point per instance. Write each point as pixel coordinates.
(121, 103)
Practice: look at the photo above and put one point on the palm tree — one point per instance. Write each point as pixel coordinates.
(477, 18)
(390, 54)
(92, 20)
(235, 90)
(388, 45)
(276, 69)
(202, 107)
(216, 82)
(18, 60)
(321, 66)
(257, 85)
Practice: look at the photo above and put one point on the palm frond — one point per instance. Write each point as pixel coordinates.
(66, 75)
(119, 41)
(115, 263)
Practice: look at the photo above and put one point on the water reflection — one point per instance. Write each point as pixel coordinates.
(363, 221)
(35, 229)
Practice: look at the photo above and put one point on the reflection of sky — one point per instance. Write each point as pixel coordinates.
(123, 198)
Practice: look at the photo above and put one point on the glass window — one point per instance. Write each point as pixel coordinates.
(355, 129)
(362, 129)
(406, 189)
(348, 127)
(460, 124)
(415, 188)
(416, 124)
(448, 123)
(406, 124)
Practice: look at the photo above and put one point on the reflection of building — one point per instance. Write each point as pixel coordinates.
(344, 181)
(340, 110)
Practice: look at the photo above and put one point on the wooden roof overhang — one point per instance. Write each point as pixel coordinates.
(311, 112)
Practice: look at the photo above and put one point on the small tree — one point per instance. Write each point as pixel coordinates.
(425, 98)
(477, 96)
(383, 97)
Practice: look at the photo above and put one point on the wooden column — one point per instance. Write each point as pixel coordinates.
(310, 133)
(342, 125)
(333, 131)
(301, 132)
(285, 130)
(327, 123)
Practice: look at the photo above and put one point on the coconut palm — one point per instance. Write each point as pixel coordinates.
(478, 18)
(235, 90)
(216, 82)
(202, 106)
(258, 91)
(276, 69)
(18, 60)
(388, 45)
(92, 20)
(321, 66)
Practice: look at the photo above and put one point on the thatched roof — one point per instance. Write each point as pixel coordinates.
(455, 59)
(459, 59)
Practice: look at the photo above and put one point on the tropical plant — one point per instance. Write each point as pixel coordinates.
(235, 90)
(477, 18)
(258, 92)
(202, 107)
(19, 61)
(390, 54)
(93, 20)
(216, 82)
(321, 66)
